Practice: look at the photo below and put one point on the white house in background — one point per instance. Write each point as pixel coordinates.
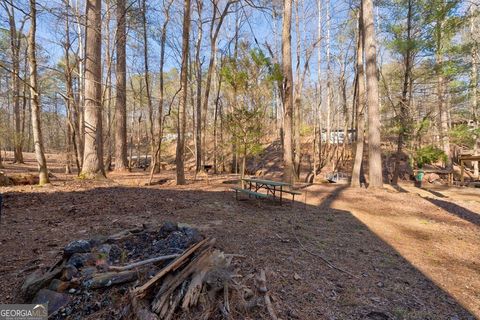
(337, 136)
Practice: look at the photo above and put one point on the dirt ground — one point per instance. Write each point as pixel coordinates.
(404, 253)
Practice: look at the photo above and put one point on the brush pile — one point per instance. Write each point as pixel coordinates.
(170, 273)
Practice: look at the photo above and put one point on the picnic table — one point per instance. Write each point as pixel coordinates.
(274, 189)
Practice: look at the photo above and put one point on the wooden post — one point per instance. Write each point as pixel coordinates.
(461, 171)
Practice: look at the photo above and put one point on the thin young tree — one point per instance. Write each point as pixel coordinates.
(181, 116)
(374, 143)
(35, 97)
(93, 153)
(408, 53)
(215, 27)
(288, 171)
(161, 95)
(148, 91)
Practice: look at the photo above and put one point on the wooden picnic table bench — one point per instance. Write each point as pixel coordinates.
(250, 193)
(274, 189)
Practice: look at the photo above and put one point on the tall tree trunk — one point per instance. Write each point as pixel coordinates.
(80, 113)
(319, 93)
(360, 107)
(215, 125)
(474, 81)
(93, 153)
(233, 105)
(288, 171)
(107, 94)
(181, 117)
(35, 98)
(298, 98)
(163, 41)
(329, 84)
(151, 125)
(374, 143)
(442, 106)
(214, 31)
(199, 137)
(72, 107)
(405, 101)
(15, 54)
(121, 162)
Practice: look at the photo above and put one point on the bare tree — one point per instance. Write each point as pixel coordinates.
(121, 162)
(16, 35)
(148, 92)
(474, 78)
(297, 98)
(288, 170)
(359, 100)
(215, 27)
(181, 117)
(406, 93)
(161, 118)
(93, 153)
(374, 143)
(71, 103)
(317, 133)
(198, 104)
(35, 97)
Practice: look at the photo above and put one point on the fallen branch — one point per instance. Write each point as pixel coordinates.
(143, 262)
(270, 309)
(328, 263)
(263, 289)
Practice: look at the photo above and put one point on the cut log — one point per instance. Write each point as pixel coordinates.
(200, 262)
(175, 302)
(172, 266)
(141, 311)
(262, 282)
(270, 309)
(194, 289)
(109, 279)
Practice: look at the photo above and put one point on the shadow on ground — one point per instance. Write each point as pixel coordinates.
(455, 209)
(292, 242)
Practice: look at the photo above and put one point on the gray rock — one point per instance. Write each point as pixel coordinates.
(104, 249)
(167, 228)
(79, 260)
(193, 235)
(54, 299)
(114, 254)
(77, 246)
(37, 280)
(88, 272)
(69, 272)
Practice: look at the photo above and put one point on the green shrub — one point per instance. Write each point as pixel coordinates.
(462, 134)
(428, 155)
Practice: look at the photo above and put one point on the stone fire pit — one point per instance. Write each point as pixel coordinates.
(143, 274)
